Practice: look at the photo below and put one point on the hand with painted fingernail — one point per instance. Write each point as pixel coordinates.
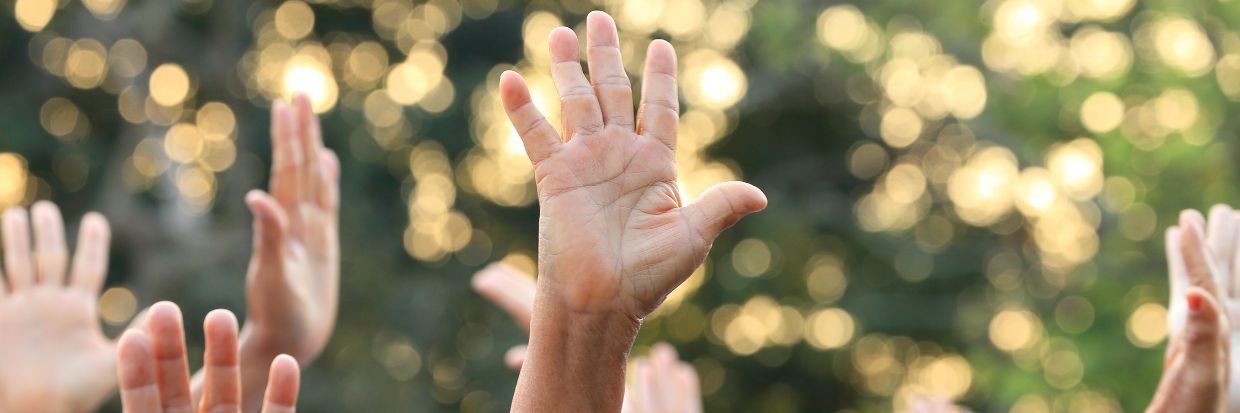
(54, 356)
(615, 235)
(293, 281)
(1207, 261)
(153, 368)
(1194, 376)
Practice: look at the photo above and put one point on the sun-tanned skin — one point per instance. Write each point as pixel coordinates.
(615, 236)
(54, 355)
(154, 372)
(660, 383)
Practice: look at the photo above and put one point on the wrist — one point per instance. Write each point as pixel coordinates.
(579, 354)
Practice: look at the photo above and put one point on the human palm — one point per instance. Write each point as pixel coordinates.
(53, 352)
(614, 234)
(293, 280)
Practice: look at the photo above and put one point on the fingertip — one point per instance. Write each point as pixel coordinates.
(483, 280)
(285, 365)
(133, 342)
(749, 198)
(601, 28)
(302, 101)
(164, 310)
(664, 352)
(512, 90)
(134, 355)
(597, 15)
(219, 321)
(283, 381)
(1191, 219)
(661, 50)
(514, 358)
(96, 226)
(564, 45)
(15, 217)
(44, 211)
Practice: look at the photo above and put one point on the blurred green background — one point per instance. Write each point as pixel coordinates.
(966, 198)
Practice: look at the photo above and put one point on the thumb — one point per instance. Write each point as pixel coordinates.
(270, 231)
(722, 206)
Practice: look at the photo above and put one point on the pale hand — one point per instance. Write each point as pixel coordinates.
(1221, 244)
(153, 368)
(663, 384)
(54, 355)
(614, 234)
(294, 275)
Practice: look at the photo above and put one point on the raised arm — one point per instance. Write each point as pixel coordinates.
(661, 382)
(615, 236)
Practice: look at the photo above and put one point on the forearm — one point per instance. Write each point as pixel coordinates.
(576, 361)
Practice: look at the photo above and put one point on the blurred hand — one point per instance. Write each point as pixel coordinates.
(512, 290)
(294, 276)
(154, 372)
(53, 354)
(1195, 371)
(293, 282)
(927, 404)
(1222, 262)
(614, 235)
(663, 384)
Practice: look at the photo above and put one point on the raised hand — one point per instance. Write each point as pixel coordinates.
(1195, 374)
(293, 282)
(615, 236)
(663, 384)
(53, 354)
(294, 276)
(1222, 261)
(154, 372)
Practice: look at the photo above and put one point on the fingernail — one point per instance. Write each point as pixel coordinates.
(1194, 302)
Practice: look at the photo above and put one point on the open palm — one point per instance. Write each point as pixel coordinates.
(294, 275)
(53, 352)
(614, 234)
